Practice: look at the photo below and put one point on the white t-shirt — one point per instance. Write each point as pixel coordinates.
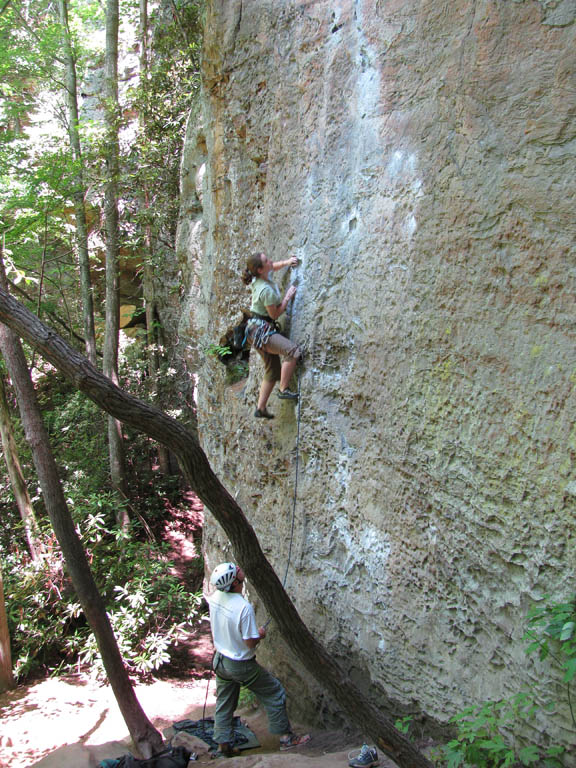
(233, 621)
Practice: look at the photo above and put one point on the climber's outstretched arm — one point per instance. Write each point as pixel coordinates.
(291, 262)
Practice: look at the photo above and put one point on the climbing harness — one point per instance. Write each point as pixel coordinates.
(259, 329)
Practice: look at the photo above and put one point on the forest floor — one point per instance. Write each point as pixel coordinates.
(73, 721)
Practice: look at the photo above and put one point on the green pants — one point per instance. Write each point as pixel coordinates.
(230, 677)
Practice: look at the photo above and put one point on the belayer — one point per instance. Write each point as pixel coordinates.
(236, 635)
(263, 332)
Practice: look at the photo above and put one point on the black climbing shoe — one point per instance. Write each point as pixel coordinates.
(287, 394)
(263, 414)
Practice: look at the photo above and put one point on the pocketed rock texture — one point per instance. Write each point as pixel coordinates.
(419, 159)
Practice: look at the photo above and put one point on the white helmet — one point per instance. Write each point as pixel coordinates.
(223, 576)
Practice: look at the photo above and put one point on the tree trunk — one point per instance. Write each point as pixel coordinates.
(152, 344)
(229, 515)
(17, 481)
(6, 676)
(79, 189)
(145, 737)
(111, 336)
(152, 334)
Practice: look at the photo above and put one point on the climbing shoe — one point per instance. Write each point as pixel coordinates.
(263, 414)
(287, 394)
(293, 740)
(367, 757)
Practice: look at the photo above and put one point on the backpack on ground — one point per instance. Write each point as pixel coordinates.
(173, 757)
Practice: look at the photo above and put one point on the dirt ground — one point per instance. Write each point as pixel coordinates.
(72, 722)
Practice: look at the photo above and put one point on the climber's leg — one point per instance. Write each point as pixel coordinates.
(280, 345)
(272, 372)
(265, 391)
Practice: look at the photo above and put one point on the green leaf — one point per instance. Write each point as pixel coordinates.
(454, 757)
(570, 669)
(532, 647)
(493, 745)
(529, 755)
(567, 630)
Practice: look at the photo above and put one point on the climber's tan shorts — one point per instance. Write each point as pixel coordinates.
(270, 353)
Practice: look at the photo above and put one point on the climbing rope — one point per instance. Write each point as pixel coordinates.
(295, 495)
(206, 697)
(292, 523)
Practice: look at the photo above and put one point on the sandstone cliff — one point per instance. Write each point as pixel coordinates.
(419, 159)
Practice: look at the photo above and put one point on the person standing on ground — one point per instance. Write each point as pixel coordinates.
(267, 306)
(236, 636)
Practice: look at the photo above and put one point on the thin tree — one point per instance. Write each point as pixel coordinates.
(150, 303)
(79, 187)
(145, 737)
(159, 426)
(17, 480)
(112, 331)
(6, 676)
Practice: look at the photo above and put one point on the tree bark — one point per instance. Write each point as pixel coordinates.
(6, 676)
(79, 189)
(112, 332)
(17, 481)
(145, 737)
(229, 515)
(150, 304)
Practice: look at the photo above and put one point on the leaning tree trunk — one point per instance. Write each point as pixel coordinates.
(17, 480)
(79, 190)
(6, 676)
(157, 425)
(112, 331)
(145, 737)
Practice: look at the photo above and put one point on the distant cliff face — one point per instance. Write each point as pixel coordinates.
(419, 159)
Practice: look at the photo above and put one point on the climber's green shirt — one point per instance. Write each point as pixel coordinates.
(265, 293)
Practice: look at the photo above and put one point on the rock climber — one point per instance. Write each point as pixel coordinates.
(262, 329)
(236, 636)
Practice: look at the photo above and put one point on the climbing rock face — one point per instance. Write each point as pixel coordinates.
(419, 159)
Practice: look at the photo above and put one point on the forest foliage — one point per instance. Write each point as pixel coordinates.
(147, 602)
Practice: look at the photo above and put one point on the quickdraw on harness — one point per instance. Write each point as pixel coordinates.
(260, 328)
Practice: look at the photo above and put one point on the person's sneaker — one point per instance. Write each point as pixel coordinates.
(367, 757)
(225, 750)
(294, 740)
(287, 394)
(263, 414)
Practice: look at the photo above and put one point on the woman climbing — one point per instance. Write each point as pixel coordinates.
(262, 329)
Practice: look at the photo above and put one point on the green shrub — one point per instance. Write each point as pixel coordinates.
(485, 733)
(36, 601)
(552, 632)
(149, 608)
(484, 737)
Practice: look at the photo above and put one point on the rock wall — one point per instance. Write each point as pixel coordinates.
(419, 159)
